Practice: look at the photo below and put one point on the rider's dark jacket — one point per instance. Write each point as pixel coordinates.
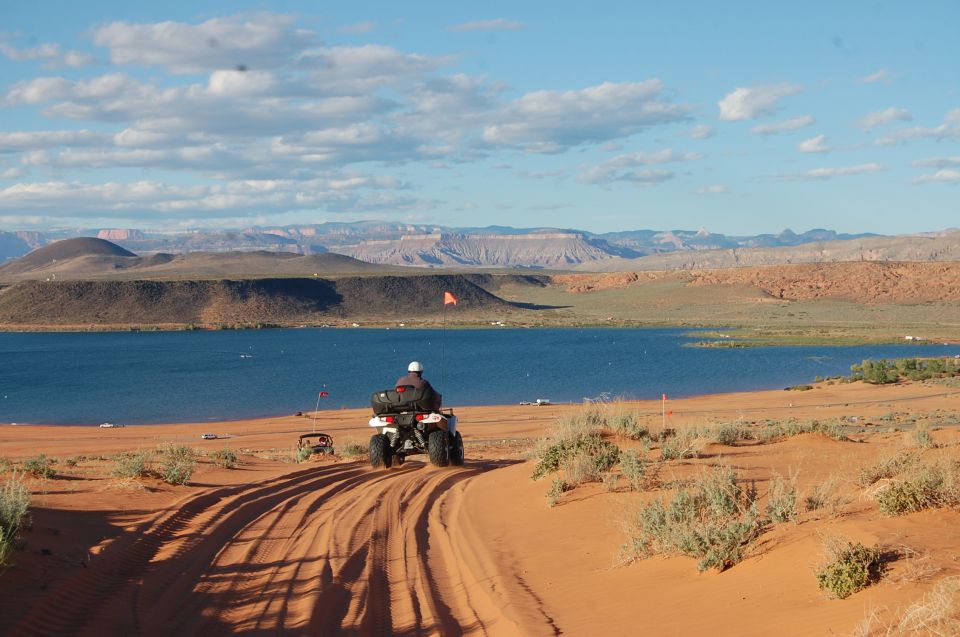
(418, 381)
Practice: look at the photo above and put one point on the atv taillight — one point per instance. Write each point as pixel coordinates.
(389, 419)
(401, 389)
(421, 416)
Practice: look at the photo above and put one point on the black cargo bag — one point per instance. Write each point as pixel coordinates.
(405, 398)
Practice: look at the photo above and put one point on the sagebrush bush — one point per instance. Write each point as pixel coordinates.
(928, 487)
(177, 464)
(39, 466)
(550, 456)
(851, 568)
(224, 458)
(730, 433)
(14, 501)
(637, 471)
(130, 465)
(714, 520)
(627, 424)
(685, 443)
(5, 465)
(782, 500)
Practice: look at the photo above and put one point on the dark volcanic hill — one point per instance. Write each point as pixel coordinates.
(214, 302)
(67, 249)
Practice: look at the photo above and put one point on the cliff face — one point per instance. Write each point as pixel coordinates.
(540, 250)
(117, 234)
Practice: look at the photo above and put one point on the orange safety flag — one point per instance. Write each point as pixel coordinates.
(449, 298)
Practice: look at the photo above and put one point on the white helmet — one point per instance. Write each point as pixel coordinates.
(415, 366)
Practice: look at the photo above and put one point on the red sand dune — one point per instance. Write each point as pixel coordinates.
(333, 547)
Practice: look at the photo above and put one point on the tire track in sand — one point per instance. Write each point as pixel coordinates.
(334, 549)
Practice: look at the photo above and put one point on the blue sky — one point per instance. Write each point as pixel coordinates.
(742, 117)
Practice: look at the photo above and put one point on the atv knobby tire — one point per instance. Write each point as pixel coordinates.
(456, 450)
(380, 453)
(439, 448)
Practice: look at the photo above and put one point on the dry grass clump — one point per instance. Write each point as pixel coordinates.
(921, 437)
(353, 449)
(850, 568)
(824, 496)
(682, 444)
(714, 520)
(730, 433)
(926, 487)
(626, 423)
(889, 467)
(639, 473)
(558, 487)
(14, 501)
(778, 430)
(938, 613)
(303, 454)
(782, 499)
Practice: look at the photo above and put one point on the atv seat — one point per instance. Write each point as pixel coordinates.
(404, 398)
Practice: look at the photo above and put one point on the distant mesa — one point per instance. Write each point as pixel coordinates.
(121, 234)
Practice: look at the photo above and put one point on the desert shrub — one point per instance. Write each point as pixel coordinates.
(130, 465)
(888, 467)
(627, 424)
(580, 469)
(352, 449)
(921, 437)
(782, 500)
(685, 443)
(714, 520)
(39, 466)
(875, 372)
(14, 500)
(637, 471)
(925, 488)
(303, 454)
(224, 458)
(557, 488)
(552, 454)
(610, 481)
(729, 433)
(5, 465)
(177, 464)
(851, 568)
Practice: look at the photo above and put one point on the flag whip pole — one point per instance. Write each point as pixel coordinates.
(315, 411)
(443, 344)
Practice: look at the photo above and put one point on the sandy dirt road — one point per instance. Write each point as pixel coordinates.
(333, 549)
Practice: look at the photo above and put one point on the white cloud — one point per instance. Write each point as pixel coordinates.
(552, 121)
(258, 42)
(36, 140)
(816, 144)
(751, 103)
(878, 76)
(942, 176)
(793, 123)
(829, 173)
(717, 189)
(701, 131)
(621, 168)
(949, 129)
(336, 193)
(938, 162)
(884, 117)
(499, 24)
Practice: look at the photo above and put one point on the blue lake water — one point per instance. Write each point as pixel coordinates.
(152, 377)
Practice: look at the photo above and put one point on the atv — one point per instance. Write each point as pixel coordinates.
(408, 423)
(323, 443)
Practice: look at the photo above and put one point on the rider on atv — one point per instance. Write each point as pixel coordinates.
(415, 379)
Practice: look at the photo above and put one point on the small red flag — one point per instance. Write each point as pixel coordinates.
(324, 394)
(664, 396)
(449, 298)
